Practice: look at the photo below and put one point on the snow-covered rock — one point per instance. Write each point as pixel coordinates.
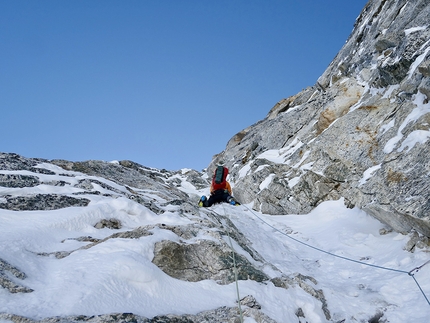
(116, 241)
(147, 253)
(361, 132)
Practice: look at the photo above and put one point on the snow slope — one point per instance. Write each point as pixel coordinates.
(118, 275)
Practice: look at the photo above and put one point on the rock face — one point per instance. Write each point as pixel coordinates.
(361, 133)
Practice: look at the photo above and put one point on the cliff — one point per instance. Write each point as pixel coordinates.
(360, 133)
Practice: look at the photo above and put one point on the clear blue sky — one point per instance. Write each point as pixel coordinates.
(165, 83)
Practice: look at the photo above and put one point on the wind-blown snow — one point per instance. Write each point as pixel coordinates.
(414, 29)
(118, 275)
(418, 137)
(418, 61)
(368, 174)
(266, 182)
(387, 126)
(280, 156)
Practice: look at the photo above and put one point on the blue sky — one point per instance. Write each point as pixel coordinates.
(164, 83)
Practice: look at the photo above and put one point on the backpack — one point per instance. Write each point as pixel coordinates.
(219, 180)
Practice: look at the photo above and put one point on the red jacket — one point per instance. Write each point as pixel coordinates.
(227, 187)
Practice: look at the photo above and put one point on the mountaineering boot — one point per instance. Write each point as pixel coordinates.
(232, 201)
(202, 200)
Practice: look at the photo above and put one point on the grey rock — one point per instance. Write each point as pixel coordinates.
(417, 241)
(424, 68)
(424, 87)
(14, 180)
(299, 313)
(306, 283)
(194, 177)
(283, 282)
(202, 260)
(357, 116)
(132, 234)
(250, 302)
(132, 174)
(41, 202)
(85, 184)
(317, 293)
(16, 162)
(83, 239)
(376, 318)
(219, 315)
(108, 223)
(6, 271)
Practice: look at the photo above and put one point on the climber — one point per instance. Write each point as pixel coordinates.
(220, 189)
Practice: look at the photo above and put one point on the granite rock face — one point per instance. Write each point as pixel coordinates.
(361, 133)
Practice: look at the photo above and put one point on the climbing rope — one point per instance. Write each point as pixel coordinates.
(416, 269)
(235, 273)
(410, 273)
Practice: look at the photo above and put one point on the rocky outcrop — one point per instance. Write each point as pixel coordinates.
(361, 133)
(220, 315)
(196, 260)
(12, 162)
(15, 180)
(203, 260)
(6, 271)
(127, 173)
(41, 202)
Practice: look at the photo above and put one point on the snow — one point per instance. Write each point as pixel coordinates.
(350, 233)
(418, 61)
(244, 170)
(280, 156)
(388, 126)
(118, 275)
(368, 174)
(417, 137)
(390, 91)
(273, 155)
(266, 182)
(304, 157)
(414, 29)
(294, 181)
